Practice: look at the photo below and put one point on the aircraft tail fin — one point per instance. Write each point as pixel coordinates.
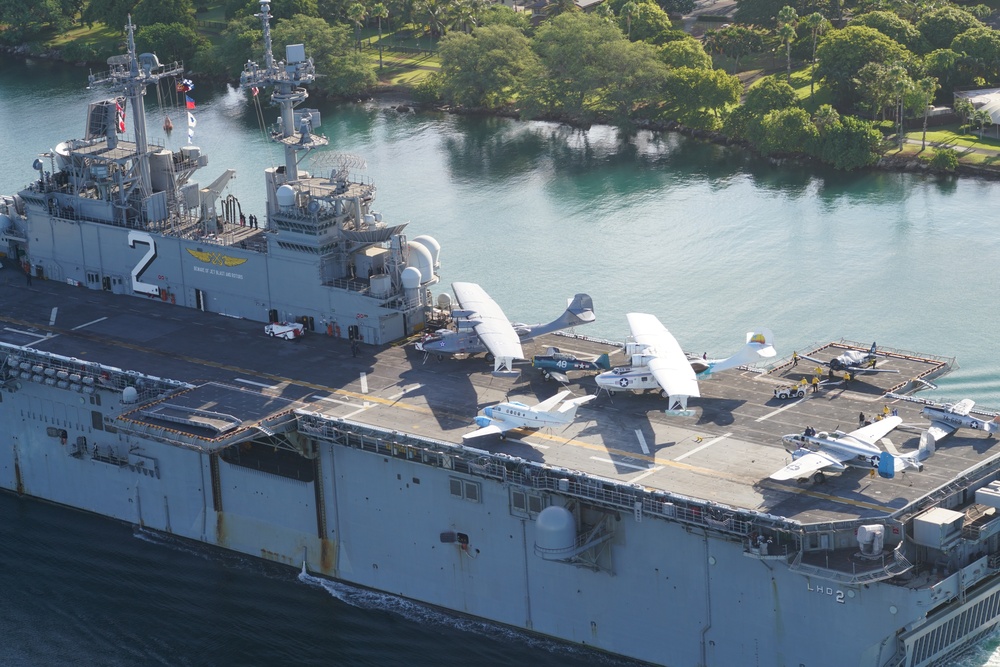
(886, 465)
(759, 345)
(579, 311)
(873, 349)
(603, 362)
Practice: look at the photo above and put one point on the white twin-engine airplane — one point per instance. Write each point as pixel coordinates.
(503, 417)
(659, 363)
(481, 326)
(947, 418)
(812, 454)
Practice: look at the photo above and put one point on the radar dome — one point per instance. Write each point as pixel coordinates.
(556, 530)
(130, 395)
(411, 277)
(286, 196)
(420, 258)
(432, 245)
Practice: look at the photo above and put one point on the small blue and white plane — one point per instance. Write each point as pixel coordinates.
(503, 417)
(813, 454)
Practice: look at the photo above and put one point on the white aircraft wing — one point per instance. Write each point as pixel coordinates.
(670, 366)
(963, 407)
(876, 430)
(491, 325)
(551, 402)
(806, 465)
(940, 429)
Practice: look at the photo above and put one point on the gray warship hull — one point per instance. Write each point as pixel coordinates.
(677, 550)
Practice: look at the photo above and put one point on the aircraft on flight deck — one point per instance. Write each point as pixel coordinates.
(659, 363)
(946, 418)
(555, 364)
(854, 361)
(481, 326)
(812, 454)
(503, 417)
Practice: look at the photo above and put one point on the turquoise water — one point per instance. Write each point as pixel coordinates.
(711, 240)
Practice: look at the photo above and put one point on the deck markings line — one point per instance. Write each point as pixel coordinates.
(618, 463)
(707, 444)
(87, 324)
(781, 409)
(405, 391)
(359, 410)
(645, 474)
(364, 383)
(256, 384)
(642, 442)
(33, 334)
(331, 399)
(52, 317)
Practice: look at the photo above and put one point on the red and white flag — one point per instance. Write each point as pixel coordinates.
(120, 115)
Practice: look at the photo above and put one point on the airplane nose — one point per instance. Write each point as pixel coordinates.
(488, 412)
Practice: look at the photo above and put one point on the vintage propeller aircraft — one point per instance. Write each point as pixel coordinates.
(853, 361)
(503, 417)
(556, 364)
(659, 363)
(481, 326)
(812, 454)
(946, 418)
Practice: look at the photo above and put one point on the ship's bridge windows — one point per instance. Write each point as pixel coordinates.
(462, 488)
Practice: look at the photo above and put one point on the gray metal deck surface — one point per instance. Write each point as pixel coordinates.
(723, 452)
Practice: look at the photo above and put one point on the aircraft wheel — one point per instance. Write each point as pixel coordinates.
(819, 478)
(546, 376)
(503, 436)
(664, 394)
(489, 356)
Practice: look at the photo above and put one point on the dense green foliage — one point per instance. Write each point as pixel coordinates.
(484, 69)
(843, 53)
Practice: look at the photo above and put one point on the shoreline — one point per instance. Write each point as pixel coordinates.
(401, 98)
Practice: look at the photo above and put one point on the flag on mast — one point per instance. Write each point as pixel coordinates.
(189, 101)
(191, 125)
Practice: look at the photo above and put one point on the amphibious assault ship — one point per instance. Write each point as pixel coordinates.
(658, 537)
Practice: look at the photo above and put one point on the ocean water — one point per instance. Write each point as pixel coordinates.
(712, 240)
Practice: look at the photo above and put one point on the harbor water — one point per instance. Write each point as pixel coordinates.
(710, 239)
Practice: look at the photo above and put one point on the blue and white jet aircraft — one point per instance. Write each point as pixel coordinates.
(503, 417)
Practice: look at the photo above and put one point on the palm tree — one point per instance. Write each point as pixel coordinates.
(357, 12)
(899, 83)
(629, 10)
(825, 118)
(817, 24)
(787, 19)
(380, 11)
(927, 87)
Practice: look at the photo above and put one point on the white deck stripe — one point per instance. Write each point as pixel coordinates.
(642, 441)
(99, 319)
(618, 463)
(256, 384)
(781, 409)
(331, 399)
(52, 317)
(645, 474)
(707, 444)
(405, 392)
(364, 383)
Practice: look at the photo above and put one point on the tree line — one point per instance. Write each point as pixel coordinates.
(876, 61)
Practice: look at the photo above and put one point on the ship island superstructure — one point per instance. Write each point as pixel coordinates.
(124, 215)
(653, 536)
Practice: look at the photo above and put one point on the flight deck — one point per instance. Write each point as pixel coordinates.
(722, 450)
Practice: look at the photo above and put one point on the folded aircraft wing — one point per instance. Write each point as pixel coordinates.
(670, 366)
(491, 325)
(806, 465)
(940, 429)
(876, 430)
